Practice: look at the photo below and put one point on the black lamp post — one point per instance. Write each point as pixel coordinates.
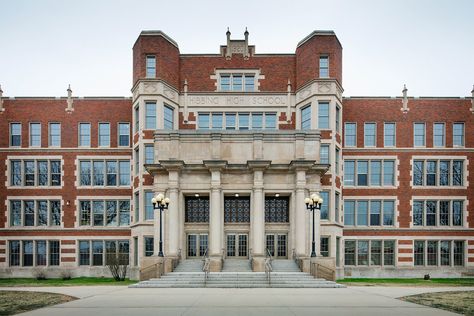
(313, 203)
(160, 203)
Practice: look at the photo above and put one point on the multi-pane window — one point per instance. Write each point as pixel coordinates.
(438, 212)
(136, 205)
(419, 134)
(324, 66)
(104, 213)
(324, 246)
(370, 137)
(338, 119)
(149, 211)
(104, 173)
(458, 134)
(149, 246)
(369, 212)
(196, 209)
(168, 118)
(257, 120)
(237, 82)
(85, 134)
(203, 121)
(28, 253)
(217, 121)
(306, 118)
(324, 211)
(443, 252)
(137, 118)
(244, 121)
(149, 154)
(389, 134)
(369, 252)
(350, 139)
(15, 134)
(270, 121)
(35, 212)
(104, 134)
(337, 202)
(137, 162)
(150, 66)
(323, 115)
(35, 173)
(100, 252)
(230, 121)
(381, 172)
(150, 115)
(439, 135)
(35, 134)
(55, 134)
(277, 209)
(236, 209)
(324, 154)
(124, 134)
(438, 172)
(337, 159)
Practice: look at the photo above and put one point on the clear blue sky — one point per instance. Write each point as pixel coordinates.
(427, 44)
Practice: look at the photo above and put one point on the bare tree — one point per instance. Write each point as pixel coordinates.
(118, 265)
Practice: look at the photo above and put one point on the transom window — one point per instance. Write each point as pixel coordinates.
(196, 209)
(366, 173)
(236, 209)
(438, 212)
(245, 121)
(104, 172)
(35, 173)
(237, 82)
(104, 213)
(35, 212)
(277, 209)
(435, 252)
(438, 172)
(28, 253)
(369, 212)
(369, 252)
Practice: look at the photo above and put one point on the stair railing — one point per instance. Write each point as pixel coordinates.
(206, 266)
(155, 270)
(250, 257)
(268, 266)
(297, 259)
(320, 271)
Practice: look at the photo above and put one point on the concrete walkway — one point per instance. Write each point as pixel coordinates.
(117, 300)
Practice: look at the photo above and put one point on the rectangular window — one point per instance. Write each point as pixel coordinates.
(418, 213)
(54, 251)
(85, 134)
(376, 252)
(244, 121)
(324, 154)
(29, 166)
(431, 168)
(389, 135)
(97, 253)
(15, 213)
(376, 173)
(418, 172)
(389, 173)
(349, 252)
(323, 115)
(43, 174)
(124, 213)
(55, 134)
(349, 212)
(35, 134)
(362, 252)
(42, 213)
(323, 66)
(336, 207)
(137, 207)
(337, 161)
(350, 139)
(362, 213)
(149, 246)
(443, 213)
(458, 253)
(203, 121)
(137, 162)
(168, 123)
(458, 178)
(27, 253)
(338, 119)
(111, 167)
(389, 252)
(419, 134)
(237, 82)
(16, 177)
(349, 172)
(458, 134)
(15, 134)
(450, 172)
(98, 213)
(270, 121)
(306, 118)
(438, 135)
(111, 213)
(225, 82)
(444, 169)
(150, 66)
(249, 83)
(124, 171)
(150, 115)
(324, 212)
(257, 120)
(217, 121)
(137, 118)
(98, 173)
(149, 154)
(85, 213)
(84, 252)
(362, 173)
(369, 134)
(55, 213)
(430, 213)
(457, 213)
(104, 134)
(148, 206)
(124, 134)
(41, 253)
(375, 213)
(445, 253)
(55, 172)
(419, 253)
(324, 246)
(15, 252)
(388, 213)
(230, 121)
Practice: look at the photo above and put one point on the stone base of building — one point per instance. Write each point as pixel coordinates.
(60, 272)
(403, 272)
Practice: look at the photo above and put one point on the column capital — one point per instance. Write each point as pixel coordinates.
(302, 164)
(258, 164)
(215, 165)
(172, 164)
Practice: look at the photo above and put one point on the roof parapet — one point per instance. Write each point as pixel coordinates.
(318, 33)
(158, 33)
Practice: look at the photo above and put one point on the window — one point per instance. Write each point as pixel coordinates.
(150, 66)
(84, 253)
(369, 252)
(419, 134)
(97, 253)
(324, 154)
(372, 177)
(35, 173)
(149, 246)
(350, 139)
(85, 134)
(230, 121)
(324, 246)
(369, 135)
(41, 253)
(323, 66)
(15, 252)
(338, 119)
(150, 115)
(124, 134)
(137, 207)
(337, 161)
(336, 207)
(270, 120)
(458, 134)
(148, 206)
(54, 250)
(55, 134)
(28, 253)
(369, 212)
(95, 249)
(306, 118)
(324, 212)
(277, 209)
(168, 118)
(149, 154)
(323, 115)
(217, 121)
(35, 134)
(137, 118)
(104, 213)
(15, 134)
(426, 252)
(34, 253)
(389, 134)
(438, 213)
(427, 173)
(237, 82)
(257, 120)
(438, 135)
(244, 121)
(137, 162)
(104, 173)
(104, 134)
(203, 121)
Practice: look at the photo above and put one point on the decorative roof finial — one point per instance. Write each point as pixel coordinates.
(228, 32)
(405, 99)
(69, 108)
(246, 33)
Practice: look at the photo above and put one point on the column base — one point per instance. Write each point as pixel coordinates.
(258, 264)
(215, 264)
(170, 263)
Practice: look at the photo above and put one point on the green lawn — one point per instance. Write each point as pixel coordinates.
(409, 282)
(14, 302)
(60, 282)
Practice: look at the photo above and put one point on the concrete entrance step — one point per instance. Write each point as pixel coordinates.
(189, 265)
(285, 265)
(236, 265)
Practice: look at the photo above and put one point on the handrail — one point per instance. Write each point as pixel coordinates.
(151, 270)
(268, 266)
(206, 266)
(320, 271)
(296, 257)
(250, 257)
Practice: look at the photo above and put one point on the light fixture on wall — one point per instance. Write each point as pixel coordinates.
(196, 195)
(236, 195)
(277, 194)
(67, 203)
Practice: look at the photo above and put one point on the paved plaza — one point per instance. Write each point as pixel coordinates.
(115, 300)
